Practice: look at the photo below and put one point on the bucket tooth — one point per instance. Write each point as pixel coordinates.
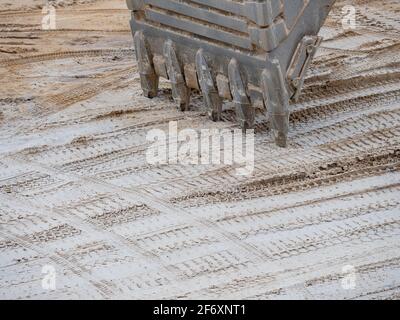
(148, 77)
(245, 113)
(277, 102)
(180, 91)
(207, 85)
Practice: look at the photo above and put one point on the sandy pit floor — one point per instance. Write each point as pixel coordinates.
(320, 219)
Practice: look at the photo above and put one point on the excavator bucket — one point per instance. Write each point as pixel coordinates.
(253, 53)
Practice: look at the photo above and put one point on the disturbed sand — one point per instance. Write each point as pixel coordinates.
(76, 192)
